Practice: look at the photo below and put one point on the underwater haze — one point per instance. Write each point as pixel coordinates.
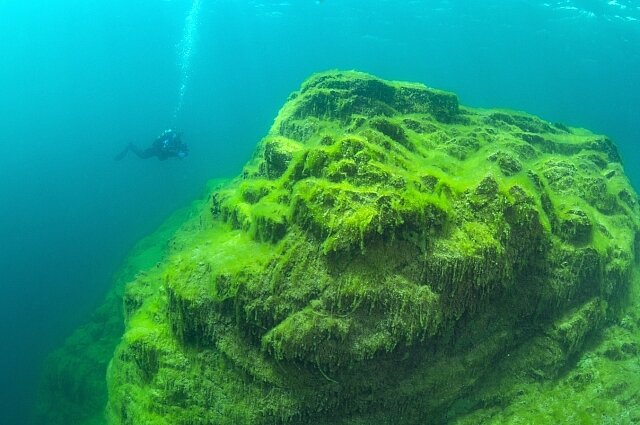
(81, 79)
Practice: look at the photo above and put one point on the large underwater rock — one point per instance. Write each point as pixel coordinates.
(387, 257)
(72, 387)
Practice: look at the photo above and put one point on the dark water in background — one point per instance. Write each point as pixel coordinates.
(79, 79)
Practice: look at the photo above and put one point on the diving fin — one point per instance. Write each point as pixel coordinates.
(122, 154)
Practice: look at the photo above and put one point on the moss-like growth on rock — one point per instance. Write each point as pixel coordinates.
(73, 386)
(386, 257)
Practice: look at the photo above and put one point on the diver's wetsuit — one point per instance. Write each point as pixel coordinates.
(168, 145)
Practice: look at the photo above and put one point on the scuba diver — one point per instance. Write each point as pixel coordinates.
(168, 145)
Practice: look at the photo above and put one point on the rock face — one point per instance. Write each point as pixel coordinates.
(72, 387)
(387, 257)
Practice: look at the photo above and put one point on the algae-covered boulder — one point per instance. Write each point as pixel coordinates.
(387, 257)
(72, 389)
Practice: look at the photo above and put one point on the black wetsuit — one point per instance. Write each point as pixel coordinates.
(168, 145)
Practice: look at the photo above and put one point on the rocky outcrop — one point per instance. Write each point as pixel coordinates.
(73, 386)
(384, 258)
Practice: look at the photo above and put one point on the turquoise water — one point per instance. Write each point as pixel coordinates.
(81, 79)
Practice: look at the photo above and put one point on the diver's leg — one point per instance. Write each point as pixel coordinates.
(122, 154)
(140, 153)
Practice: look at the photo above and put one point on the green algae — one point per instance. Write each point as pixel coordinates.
(391, 257)
(73, 386)
(600, 386)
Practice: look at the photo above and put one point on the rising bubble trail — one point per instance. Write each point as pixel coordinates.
(185, 51)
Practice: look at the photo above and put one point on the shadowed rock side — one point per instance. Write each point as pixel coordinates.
(73, 386)
(386, 257)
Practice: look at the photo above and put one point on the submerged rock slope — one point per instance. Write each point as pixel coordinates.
(72, 387)
(386, 257)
